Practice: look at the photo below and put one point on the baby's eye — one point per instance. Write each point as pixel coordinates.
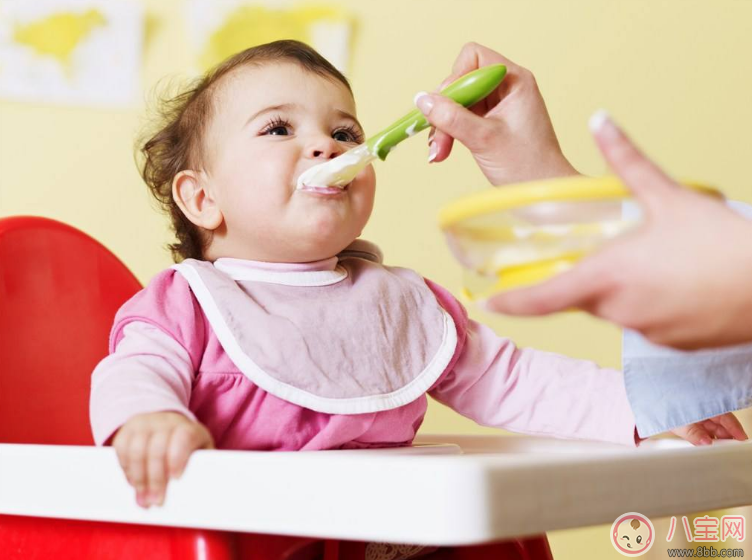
(276, 127)
(349, 134)
(639, 539)
(278, 131)
(342, 136)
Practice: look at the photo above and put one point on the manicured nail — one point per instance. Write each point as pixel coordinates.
(602, 125)
(598, 119)
(433, 151)
(423, 101)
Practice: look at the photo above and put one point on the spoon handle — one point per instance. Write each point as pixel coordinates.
(467, 90)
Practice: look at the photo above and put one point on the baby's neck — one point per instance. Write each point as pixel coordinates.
(323, 264)
(294, 253)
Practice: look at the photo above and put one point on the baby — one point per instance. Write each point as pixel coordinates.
(279, 329)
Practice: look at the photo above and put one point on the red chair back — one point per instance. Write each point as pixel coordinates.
(59, 292)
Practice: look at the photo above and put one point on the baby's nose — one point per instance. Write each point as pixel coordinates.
(324, 148)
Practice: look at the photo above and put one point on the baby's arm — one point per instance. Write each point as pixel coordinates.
(535, 392)
(139, 402)
(530, 391)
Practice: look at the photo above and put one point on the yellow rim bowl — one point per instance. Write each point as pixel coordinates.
(567, 189)
(563, 189)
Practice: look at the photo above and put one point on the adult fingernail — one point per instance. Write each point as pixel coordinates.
(433, 151)
(706, 441)
(597, 119)
(423, 101)
(141, 500)
(602, 124)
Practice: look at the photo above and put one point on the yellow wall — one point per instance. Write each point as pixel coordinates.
(676, 73)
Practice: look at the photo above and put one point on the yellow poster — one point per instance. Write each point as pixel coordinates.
(220, 28)
(82, 52)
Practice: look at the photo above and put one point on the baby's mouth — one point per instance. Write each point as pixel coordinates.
(324, 190)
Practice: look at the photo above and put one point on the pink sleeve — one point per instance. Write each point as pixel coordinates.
(530, 391)
(149, 371)
(168, 304)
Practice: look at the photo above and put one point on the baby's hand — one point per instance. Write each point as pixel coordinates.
(725, 426)
(154, 447)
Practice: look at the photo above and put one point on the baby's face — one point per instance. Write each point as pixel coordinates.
(271, 123)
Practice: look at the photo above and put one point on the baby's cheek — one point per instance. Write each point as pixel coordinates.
(365, 194)
(369, 178)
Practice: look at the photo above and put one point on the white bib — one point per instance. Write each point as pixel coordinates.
(360, 338)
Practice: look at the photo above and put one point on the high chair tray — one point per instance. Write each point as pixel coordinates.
(447, 490)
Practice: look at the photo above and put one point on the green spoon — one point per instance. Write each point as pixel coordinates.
(340, 171)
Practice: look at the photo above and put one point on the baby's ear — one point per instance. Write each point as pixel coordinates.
(192, 194)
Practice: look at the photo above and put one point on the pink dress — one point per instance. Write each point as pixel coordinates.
(339, 353)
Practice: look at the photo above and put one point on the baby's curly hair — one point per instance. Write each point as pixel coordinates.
(183, 120)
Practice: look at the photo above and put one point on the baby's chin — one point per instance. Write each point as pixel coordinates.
(315, 249)
(329, 220)
(320, 240)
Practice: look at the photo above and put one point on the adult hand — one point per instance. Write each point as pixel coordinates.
(725, 426)
(683, 278)
(509, 132)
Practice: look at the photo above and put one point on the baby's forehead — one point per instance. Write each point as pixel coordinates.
(276, 82)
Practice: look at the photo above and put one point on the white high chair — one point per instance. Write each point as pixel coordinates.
(447, 490)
